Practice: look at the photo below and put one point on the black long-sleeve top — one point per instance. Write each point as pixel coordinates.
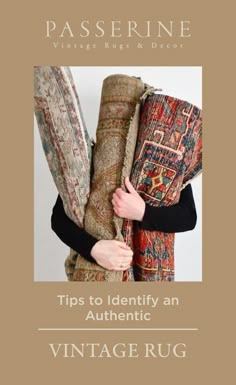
(172, 219)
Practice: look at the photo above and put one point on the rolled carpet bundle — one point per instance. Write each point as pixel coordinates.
(113, 157)
(64, 137)
(168, 156)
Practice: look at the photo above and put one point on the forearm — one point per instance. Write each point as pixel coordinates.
(70, 234)
(110, 254)
(172, 219)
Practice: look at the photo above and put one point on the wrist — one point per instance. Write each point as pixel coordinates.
(141, 212)
(93, 250)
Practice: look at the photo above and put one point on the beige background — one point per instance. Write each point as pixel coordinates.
(27, 306)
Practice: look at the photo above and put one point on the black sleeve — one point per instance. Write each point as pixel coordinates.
(172, 219)
(71, 234)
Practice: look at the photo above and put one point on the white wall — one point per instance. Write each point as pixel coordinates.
(49, 252)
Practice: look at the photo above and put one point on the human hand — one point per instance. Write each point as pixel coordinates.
(112, 254)
(128, 205)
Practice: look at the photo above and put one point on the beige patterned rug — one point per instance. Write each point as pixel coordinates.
(113, 157)
(64, 137)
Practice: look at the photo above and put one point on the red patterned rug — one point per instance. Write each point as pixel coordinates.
(168, 156)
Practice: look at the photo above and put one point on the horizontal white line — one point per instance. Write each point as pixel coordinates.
(114, 329)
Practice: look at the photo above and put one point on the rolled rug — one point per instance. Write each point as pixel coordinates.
(168, 156)
(64, 137)
(113, 157)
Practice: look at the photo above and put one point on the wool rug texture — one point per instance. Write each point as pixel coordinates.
(113, 158)
(168, 156)
(64, 137)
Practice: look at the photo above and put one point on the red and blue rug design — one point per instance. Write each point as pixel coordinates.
(168, 156)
